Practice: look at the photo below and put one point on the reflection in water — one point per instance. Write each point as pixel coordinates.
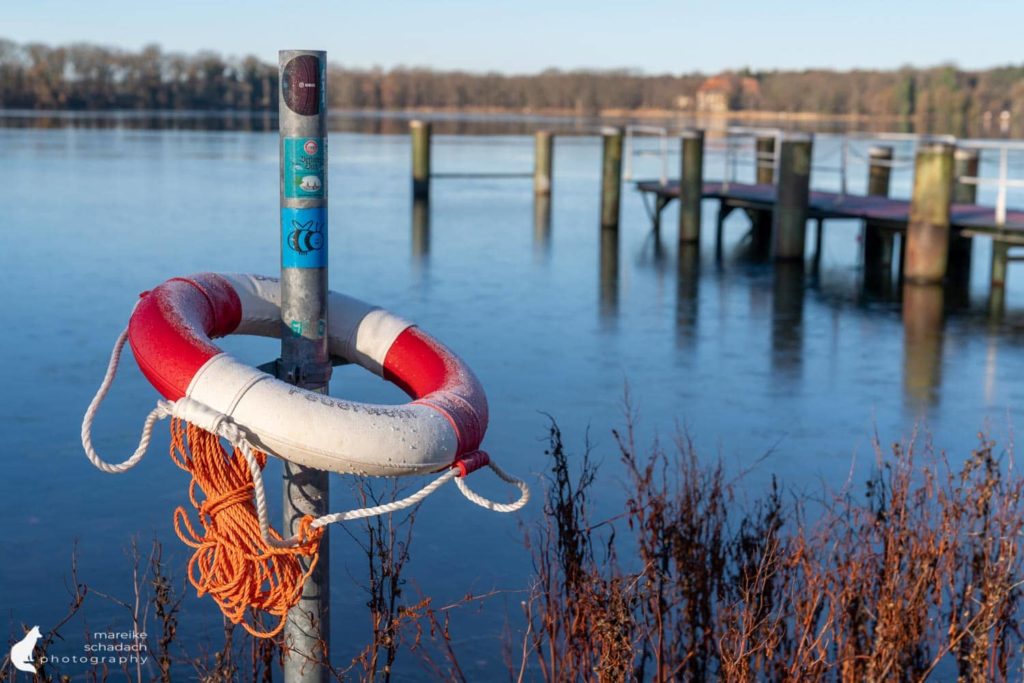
(609, 275)
(878, 260)
(760, 246)
(542, 225)
(687, 290)
(787, 318)
(923, 319)
(996, 303)
(653, 253)
(420, 231)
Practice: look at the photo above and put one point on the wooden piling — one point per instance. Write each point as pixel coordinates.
(543, 156)
(965, 164)
(879, 170)
(611, 177)
(420, 132)
(789, 220)
(761, 221)
(691, 186)
(878, 243)
(927, 241)
(765, 165)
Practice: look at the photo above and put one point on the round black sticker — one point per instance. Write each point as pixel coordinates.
(300, 85)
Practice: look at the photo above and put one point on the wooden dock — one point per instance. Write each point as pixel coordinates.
(892, 213)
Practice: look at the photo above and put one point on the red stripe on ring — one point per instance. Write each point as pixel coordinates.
(434, 376)
(172, 325)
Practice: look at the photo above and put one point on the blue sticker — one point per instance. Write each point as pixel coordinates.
(303, 238)
(303, 167)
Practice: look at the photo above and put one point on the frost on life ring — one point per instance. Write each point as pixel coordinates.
(171, 334)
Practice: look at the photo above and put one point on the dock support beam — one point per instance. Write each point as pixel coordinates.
(691, 186)
(611, 177)
(789, 220)
(420, 132)
(927, 243)
(965, 164)
(305, 361)
(543, 156)
(878, 243)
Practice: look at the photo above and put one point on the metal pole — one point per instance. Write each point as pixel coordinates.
(305, 361)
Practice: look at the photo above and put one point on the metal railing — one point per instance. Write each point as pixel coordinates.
(738, 142)
(737, 138)
(629, 152)
(1003, 182)
(847, 150)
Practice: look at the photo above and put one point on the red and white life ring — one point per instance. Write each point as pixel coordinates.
(171, 330)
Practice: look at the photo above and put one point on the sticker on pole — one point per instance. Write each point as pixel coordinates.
(303, 238)
(301, 85)
(303, 168)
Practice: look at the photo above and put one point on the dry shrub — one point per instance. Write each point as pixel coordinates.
(920, 577)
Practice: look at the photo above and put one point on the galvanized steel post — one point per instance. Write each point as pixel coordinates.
(611, 176)
(691, 186)
(420, 132)
(927, 242)
(789, 220)
(305, 361)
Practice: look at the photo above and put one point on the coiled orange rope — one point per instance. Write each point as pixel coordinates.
(232, 563)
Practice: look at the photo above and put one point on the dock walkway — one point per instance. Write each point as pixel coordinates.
(890, 213)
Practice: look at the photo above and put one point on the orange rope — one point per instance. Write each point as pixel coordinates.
(232, 562)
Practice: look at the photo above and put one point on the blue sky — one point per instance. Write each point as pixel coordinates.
(528, 35)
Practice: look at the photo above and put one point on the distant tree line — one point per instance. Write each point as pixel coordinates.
(91, 77)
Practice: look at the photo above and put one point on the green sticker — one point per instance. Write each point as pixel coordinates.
(304, 173)
(297, 328)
